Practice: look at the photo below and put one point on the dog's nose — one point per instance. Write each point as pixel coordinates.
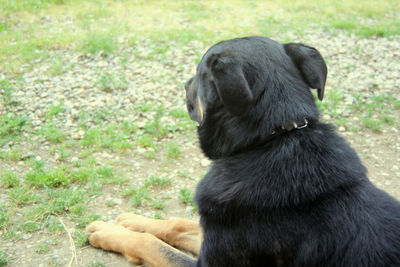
(188, 83)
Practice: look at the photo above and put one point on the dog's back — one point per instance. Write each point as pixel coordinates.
(300, 200)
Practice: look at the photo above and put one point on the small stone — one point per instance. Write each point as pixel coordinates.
(141, 124)
(76, 136)
(204, 162)
(141, 150)
(26, 236)
(326, 117)
(341, 129)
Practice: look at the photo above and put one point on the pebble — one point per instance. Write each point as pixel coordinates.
(76, 136)
(204, 162)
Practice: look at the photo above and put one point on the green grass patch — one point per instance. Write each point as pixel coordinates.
(159, 205)
(10, 127)
(3, 258)
(155, 128)
(108, 82)
(58, 66)
(8, 179)
(114, 137)
(54, 110)
(4, 217)
(13, 154)
(173, 151)
(186, 196)
(22, 195)
(6, 91)
(145, 140)
(155, 181)
(51, 132)
(179, 113)
(137, 195)
(99, 42)
(48, 178)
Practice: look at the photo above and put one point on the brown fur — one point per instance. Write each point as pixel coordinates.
(152, 241)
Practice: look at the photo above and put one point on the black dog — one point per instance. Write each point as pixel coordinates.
(284, 189)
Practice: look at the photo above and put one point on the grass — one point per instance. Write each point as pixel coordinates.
(8, 179)
(51, 132)
(108, 82)
(173, 151)
(7, 93)
(3, 258)
(180, 22)
(155, 181)
(137, 195)
(99, 42)
(10, 127)
(186, 196)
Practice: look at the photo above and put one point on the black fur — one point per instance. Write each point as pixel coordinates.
(301, 198)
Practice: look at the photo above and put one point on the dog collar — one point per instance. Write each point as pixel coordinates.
(290, 126)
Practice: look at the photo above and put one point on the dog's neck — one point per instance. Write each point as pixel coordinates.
(290, 126)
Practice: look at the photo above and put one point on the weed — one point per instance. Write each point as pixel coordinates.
(145, 140)
(22, 195)
(57, 66)
(99, 42)
(173, 151)
(42, 248)
(52, 132)
(113, 137)
(97, 264)
(373, 124)
(184, 174)
(155, 128)
(52, 178)
(3, 258)
(82, 175)
(81, 238)
(4, 217)
(158, 205)
(137, 195)
(186, 196)
(158, 216)
(58, 202)
(110, 203)
(154, 181)
(179, 113)
(108, 82)
(13, 154)
(53, 111)
(341, 121)
(386, 119)
(83, 221)
(10, 127)
(8, 179)
(7, 96)
(150, 154)
(52, 224)
(353, 128)
(63, 153)
(144, 107)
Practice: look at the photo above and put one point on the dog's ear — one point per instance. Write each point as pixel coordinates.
(230, 81)
(311, 65)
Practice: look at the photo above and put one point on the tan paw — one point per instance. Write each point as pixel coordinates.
(133, 221)
(113, 237)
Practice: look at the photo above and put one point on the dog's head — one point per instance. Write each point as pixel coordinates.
(246, 88)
